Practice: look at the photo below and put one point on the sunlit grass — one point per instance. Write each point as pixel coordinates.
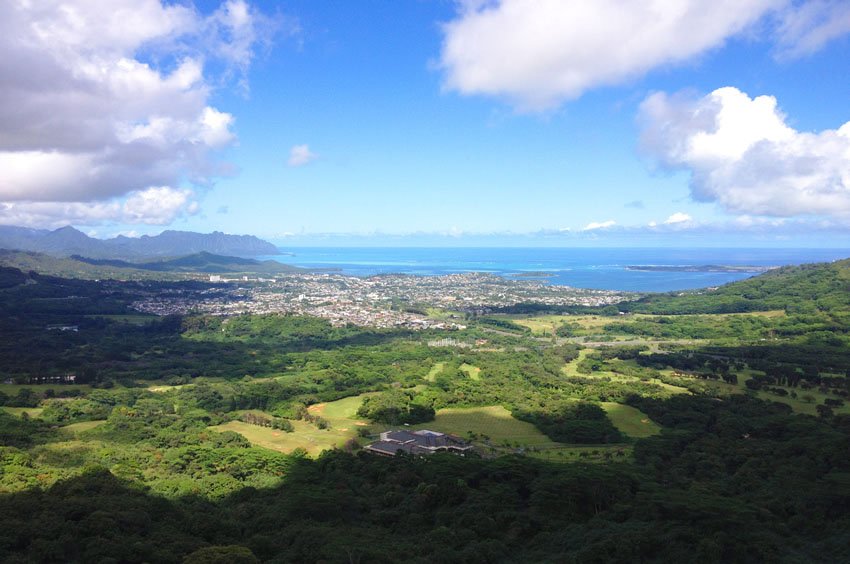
(472, 371)
(435, 371)
(630, 421)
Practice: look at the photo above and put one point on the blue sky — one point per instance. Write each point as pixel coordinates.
(434, 122)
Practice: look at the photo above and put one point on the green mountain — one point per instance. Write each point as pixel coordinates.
(68, 241)
(198, 262)
(167, 269)
(808, 287)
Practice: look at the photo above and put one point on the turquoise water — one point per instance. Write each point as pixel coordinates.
(582, 268)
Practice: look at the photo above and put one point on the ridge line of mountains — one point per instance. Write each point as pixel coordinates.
(68, 241)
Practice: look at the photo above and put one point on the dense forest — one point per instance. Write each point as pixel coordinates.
(708, 426)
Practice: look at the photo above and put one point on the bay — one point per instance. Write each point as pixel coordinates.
(600, 268)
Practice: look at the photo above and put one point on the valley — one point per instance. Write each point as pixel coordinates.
(619, 402)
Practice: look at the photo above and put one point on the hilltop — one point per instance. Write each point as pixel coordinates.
(819, 286)
(68, 241)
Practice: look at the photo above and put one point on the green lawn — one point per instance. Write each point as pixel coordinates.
(495, 422)
(30, 411)
(305, 436)
(341, 414)
(631, 421)
(76, 428)
(798, 404)
(435, 371)
(165, 387)
(472, 371)
(493, 429)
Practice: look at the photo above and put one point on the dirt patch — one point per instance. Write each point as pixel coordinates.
(361, 424)
(318, 408)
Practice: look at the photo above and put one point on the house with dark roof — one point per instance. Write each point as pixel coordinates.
(421, 442)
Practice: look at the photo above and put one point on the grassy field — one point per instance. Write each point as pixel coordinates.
(798, 404)
(493, 429)
(305, 436)
(472, 371)
(30, 411)
(545, 325)
(495, 422)
(165, 387)
(569, 369)
(670, 387)
(76, 428)
(631, 421)
(341, 414)
(435, 371)
(801, 406)
(592, 325)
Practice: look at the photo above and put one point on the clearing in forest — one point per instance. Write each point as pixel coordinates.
(19, 411)
(472, 371)
(631, 421)
(494, 421)
(435, 371)
(305, 435)
(75, 428)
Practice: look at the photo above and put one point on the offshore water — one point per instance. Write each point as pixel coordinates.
(601, 268)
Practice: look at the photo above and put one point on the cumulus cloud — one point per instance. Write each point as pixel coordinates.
(100, 108)
(538, 53)
(594, 225)
(300, 155)
(742, 154)
(678, 218)
(159, 205)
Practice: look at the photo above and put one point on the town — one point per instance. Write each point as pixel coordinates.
(389, 300)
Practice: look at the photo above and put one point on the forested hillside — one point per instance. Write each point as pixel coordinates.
(696, 436)
(805, 288)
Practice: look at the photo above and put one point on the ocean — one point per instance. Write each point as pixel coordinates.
(599, 268)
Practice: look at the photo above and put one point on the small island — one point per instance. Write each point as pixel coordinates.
(533, 274)
(698, 268)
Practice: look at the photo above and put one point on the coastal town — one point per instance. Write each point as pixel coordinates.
(389, 300)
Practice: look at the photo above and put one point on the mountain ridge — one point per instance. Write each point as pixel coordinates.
(67, 241)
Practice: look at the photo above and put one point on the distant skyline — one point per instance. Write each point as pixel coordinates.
(476, 122)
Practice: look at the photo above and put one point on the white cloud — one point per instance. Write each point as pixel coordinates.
(593, 225)
(300, 155)
(807, 27)
(101, 103)
(158, 205)
(743, 155)
(152, 206)
(677, 218)
(538, 53)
